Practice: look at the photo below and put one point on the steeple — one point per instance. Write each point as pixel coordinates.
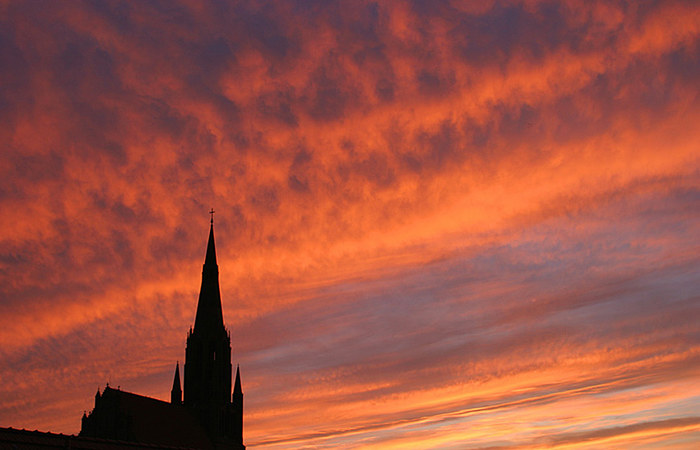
(210, 318)
(176, 392)
(207, 384)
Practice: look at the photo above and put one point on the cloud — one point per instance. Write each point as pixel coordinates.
(430, 215)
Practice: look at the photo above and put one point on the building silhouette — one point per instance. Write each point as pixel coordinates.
(209, 416)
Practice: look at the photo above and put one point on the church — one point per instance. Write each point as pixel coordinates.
(206, 414)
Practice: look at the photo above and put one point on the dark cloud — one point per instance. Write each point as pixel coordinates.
(435, 84)
(279, 105)
(506, 30)
(37, 168)
(15, 78)
(265, 199)
(84, 69)
(385, 89)
(268, 32)
(213, 57)
(330, 91)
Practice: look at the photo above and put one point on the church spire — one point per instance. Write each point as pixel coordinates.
(211, 248)
(208, 370)
(210, 318)
(176, 392)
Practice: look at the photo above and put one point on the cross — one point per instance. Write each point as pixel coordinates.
(212, 215)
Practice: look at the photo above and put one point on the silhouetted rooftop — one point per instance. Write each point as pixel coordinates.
(11, 438)
(155, 421)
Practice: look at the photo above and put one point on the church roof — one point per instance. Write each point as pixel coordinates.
(154, 421)
(12, 438)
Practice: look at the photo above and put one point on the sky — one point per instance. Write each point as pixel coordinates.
(439, 224)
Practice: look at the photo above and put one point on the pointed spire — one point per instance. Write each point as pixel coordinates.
(176, 380)
(210, 259)
(210, 317)
(176, 392)
(237, 387)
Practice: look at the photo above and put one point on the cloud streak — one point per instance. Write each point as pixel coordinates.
(439, 224)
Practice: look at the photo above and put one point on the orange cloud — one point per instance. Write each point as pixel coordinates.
(438, 223)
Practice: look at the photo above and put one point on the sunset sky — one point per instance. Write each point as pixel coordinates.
(439, 224)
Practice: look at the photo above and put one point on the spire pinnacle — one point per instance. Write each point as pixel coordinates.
(176, 392)
(210, 318)
(211, 212)
(237, 386)
(210, 258)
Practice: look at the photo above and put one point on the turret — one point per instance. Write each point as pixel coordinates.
(176, 392)
(237, 390)
(237, 409)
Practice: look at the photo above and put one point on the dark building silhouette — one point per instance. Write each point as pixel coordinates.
(209, 416)
(11, 438)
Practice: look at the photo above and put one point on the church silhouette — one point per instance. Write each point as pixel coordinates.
(209, 416)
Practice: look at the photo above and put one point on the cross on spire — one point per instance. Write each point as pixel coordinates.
(212, 215)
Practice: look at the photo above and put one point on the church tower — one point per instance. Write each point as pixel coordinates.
(210, 416)
(207, 390)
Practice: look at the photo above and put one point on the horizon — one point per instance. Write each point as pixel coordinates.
(439, 224)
